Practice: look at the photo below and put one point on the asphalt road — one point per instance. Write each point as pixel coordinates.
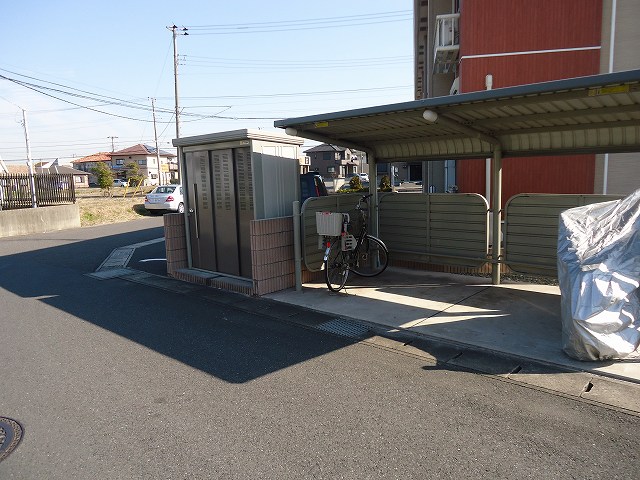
(118, 380)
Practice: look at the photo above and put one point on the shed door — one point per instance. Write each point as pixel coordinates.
(225, 213)
(244, 194)
(201, 230)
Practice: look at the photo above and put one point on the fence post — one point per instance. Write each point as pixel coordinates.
(296, 245)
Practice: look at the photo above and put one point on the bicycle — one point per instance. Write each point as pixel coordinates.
(364, 254)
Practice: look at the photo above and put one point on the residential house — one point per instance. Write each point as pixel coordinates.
(332, 161)
(143, 155)
(13, 169)
(80, 178)
(464, 46)
(87, 164)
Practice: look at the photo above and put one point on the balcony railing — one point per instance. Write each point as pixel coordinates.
(446, 44)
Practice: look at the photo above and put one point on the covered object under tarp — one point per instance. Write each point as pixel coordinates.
(599, 275)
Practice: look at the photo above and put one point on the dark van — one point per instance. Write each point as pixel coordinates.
(312, 185)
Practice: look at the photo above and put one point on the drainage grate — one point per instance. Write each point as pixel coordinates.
(111, 273)
(345, 328)
(10, 436)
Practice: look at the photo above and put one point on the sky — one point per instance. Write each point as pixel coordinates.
(86, 71)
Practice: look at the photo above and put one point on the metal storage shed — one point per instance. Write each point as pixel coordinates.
(594, 114)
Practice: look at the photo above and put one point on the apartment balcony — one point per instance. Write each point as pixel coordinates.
(446, 44)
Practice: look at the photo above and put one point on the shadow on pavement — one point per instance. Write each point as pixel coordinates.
(206, 332)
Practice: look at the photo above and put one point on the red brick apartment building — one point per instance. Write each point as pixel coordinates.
(469, 45)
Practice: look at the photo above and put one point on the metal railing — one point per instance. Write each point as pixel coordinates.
(446, 43)
(50, 189)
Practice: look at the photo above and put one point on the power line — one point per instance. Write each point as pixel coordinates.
(224, 67)
(35, 88)
(91, 96)
(296, 63)
(301, 94)
(342, 18)
(196, 116)
(308, 24)
(246, 31)
(122, 103)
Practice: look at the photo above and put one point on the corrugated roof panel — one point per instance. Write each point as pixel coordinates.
(598, 114)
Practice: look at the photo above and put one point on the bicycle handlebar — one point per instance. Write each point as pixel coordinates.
(363, 199)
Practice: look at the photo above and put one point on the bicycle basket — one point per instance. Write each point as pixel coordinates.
(329, 224)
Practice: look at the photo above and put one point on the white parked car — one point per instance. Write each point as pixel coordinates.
(165, 197)
(120, 183)
(364, 177)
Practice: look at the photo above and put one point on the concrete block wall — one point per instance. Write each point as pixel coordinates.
(272, 255)
(175, 243)
(25, 221)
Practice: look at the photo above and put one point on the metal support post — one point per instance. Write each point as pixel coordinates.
(496, 202)
(373, 189)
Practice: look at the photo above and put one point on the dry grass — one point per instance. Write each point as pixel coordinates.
(96, 209)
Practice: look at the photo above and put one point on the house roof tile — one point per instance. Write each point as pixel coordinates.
(96, 157)
(16, 169)
(325, 147)
(60, 169)
(141, 149)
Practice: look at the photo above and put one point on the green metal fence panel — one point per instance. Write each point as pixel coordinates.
(435, 228)
(531, 229)
(453, 229)
(404, 222)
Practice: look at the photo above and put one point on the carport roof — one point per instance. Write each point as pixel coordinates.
(594, 114)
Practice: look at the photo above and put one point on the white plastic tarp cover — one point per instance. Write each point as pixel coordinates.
(599, 276)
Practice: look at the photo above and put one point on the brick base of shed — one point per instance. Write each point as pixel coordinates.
(272, 258)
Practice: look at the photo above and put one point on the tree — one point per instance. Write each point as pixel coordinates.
(133, 173)
(104, 175)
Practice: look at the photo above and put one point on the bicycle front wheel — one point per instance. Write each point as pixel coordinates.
(372, 257)
(336, 267)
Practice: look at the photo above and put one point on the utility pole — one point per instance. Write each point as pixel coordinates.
(112, 146)
(34, 201)
(174, 29)
(155, 135)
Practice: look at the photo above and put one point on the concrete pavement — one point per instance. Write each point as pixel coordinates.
(518, 319)
(512, 330)
(517, 325)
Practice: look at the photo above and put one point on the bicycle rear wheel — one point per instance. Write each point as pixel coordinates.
(373, 257)
(336, 267)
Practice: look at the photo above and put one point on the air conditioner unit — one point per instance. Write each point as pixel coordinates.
(455, 86)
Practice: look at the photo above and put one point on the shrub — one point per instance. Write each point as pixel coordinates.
(355, 183)
(385, 184)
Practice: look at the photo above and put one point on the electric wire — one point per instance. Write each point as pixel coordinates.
(297, 25)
